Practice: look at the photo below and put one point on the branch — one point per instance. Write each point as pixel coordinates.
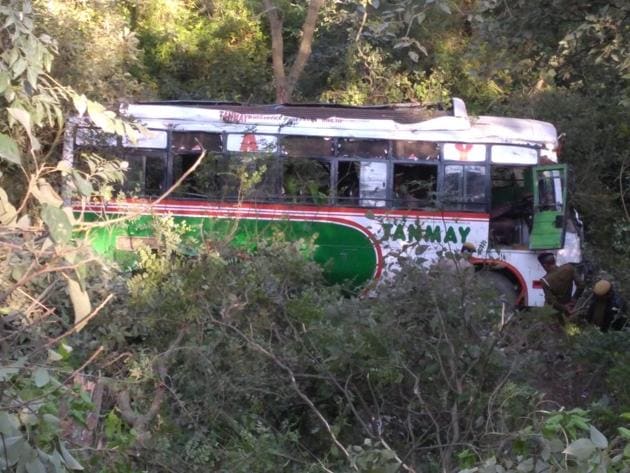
(621, 191)
(277, 51)
(30, 275)
(304, 51)
(131, 215)
(140, 421)
(259, 348)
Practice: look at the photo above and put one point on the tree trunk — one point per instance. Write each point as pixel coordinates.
(285, 85)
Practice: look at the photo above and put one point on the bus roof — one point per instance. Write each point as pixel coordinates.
(396, 121)
(399, 113)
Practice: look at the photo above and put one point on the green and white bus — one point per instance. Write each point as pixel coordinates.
(371, 184)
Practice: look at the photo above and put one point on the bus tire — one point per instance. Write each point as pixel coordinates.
(506, 289)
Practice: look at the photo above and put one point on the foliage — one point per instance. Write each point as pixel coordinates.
(97, 51)
(36, 410)
(562, 441)
(261, 353)
(235, 360)
(217, 52)
(567, 43)
(605, 353)
(43, 403)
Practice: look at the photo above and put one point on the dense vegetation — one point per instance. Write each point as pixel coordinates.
(231, 361)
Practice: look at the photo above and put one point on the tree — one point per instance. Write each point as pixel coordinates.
(285, 83)
(41, 257)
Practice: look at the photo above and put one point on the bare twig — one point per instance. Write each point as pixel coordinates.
(150, 205)
(29, 275)
(69, 378)
(292, 378)
(74, 328)
(622, 192)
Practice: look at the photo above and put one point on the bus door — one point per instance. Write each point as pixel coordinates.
(550, 197)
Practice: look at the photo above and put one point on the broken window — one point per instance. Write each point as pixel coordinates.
(465, 187)
(415, 150)
(306, 147)
(348, 182)
(232, 179)
(511, 211)
(362, 148)
(189, 142)
(306, 180)
(361, 183)
(145, 173)
(415, 185)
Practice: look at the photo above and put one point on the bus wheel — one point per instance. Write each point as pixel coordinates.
(507, 291)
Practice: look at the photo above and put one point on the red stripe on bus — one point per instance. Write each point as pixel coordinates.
(313, 209)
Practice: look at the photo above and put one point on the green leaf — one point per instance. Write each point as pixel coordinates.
(80, 302)
(579, 422)
(35, 466)
(41, 377)
(19, 67)
(8, 213)
(83, 185)
(582, 449)
(625, 433)
(68, 459)
(9, 425)
(57, 222)
(7, 372)
(444, 7)
(4, 81)
(98, 114)
(46, 194)
(54, 356)
(24, 118)
(15, 448)
(31, 75)
(598, 438)
(65, 350)
(51, 419)
(9, 149)
(80, 103)
(57, 462)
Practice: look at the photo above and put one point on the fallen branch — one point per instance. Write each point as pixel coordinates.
(139, 422)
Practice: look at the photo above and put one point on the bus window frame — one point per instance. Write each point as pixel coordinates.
(463, 205)
(120, 152)
(335, 158)
(331, 159)
(276, 167)
(392, 198)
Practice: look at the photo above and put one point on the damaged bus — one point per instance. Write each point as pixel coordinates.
(369, 184)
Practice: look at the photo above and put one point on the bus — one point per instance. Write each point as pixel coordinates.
(369, 184)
